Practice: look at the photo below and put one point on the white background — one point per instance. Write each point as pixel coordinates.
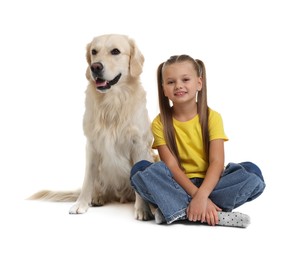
(253, 56)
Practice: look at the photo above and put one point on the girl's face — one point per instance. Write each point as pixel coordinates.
(180, 82)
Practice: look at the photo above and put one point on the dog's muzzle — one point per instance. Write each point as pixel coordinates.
(102, 84)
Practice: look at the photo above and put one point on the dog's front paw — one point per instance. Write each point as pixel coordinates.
(143, 214)
(79, 208)
(142, 209)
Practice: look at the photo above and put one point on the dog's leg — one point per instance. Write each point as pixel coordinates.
(142, 209)
(84, 201)
(141, 152)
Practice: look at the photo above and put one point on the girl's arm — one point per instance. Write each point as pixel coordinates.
(215, 168)
(178, 174)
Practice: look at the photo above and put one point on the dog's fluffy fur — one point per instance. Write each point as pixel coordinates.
(116, 125)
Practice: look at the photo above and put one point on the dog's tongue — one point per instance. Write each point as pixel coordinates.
(101, 83)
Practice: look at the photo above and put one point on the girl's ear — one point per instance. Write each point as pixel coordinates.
(200, 85)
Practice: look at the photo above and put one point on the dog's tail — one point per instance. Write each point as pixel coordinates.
(56, 196)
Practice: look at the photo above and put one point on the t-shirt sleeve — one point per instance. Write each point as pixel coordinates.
(216, 128)
(157, 129)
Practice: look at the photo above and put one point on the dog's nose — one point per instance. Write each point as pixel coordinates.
(96, 68)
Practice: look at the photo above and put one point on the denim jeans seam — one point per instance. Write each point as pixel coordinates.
(177, 216)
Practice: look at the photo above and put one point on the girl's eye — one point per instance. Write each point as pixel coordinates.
(186, 79)
(170, 82)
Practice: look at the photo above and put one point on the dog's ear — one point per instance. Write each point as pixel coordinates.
(88, 59)
(88, 53)
(136, 60)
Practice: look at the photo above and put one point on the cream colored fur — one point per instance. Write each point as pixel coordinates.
(116, 125)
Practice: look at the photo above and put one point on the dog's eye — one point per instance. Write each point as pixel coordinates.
(115, 52)
(94, 52)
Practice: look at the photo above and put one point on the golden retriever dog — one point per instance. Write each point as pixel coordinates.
(116, 126)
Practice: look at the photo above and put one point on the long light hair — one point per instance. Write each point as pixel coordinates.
(166, 109)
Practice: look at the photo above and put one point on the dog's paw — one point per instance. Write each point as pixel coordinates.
(79, 208)
(97, 201)
(142, 209)
(143, 214)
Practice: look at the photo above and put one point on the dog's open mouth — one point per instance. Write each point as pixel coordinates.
(102, 85)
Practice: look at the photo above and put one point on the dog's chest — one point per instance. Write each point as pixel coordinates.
(114, 146)
(114, 123)
(112, 133)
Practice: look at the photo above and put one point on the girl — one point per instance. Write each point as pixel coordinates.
(190, 182)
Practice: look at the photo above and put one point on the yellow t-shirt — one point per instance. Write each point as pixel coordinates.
(189, 141)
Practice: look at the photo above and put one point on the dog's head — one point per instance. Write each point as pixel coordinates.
(112, 59)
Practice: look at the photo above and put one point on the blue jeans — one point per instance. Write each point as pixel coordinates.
(239, 183)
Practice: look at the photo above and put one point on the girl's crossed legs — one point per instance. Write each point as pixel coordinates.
(239, 183)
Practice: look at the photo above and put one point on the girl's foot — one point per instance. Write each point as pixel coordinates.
(159, 218)
(233, 219)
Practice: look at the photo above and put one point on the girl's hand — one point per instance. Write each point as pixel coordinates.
(212, 213)
(203, 210)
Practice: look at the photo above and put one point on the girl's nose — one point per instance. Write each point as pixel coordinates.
(178, 85)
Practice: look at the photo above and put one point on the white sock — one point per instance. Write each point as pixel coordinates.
(159, 218)
(233, 219)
